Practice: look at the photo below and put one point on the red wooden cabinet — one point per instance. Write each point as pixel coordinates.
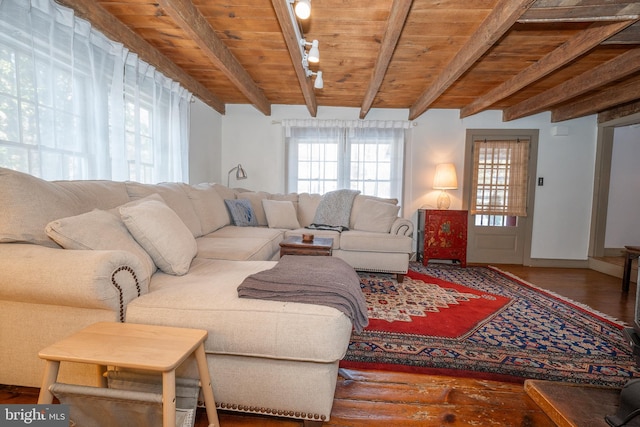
(445, 235)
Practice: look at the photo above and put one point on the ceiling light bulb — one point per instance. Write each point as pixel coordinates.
(303, 9)
(314, 52)
(319, 83)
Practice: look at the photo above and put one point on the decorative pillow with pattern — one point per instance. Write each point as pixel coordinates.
(242, 213)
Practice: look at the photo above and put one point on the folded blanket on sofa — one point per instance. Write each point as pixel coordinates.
(334, 210)
(311, 280)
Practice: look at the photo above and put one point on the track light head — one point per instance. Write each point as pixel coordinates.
(319, 83)
(314, 52)
(303, 9)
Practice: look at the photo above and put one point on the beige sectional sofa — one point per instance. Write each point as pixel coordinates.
(76, 252)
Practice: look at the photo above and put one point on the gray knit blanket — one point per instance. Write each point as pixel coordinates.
(334, 210)
(311, 280)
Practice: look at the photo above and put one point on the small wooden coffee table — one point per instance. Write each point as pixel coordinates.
(130, 345)
(319, 246)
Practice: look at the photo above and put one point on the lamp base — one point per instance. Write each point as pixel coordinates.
(443, 200)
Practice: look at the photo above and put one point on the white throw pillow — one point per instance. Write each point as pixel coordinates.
(280, 214)
(161, 232)
(376, 216)
(97, 230)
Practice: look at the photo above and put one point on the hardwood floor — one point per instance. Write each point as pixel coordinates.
(376, 398)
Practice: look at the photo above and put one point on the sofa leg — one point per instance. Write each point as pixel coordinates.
(400, 277)
(312, 423)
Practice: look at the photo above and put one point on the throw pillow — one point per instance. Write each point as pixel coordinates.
(161, 232)
(97, 230)
(376, 216)
(280, 214)
(241, 212)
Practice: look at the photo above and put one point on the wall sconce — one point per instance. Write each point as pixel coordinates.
(240, 173)
(446, 179)
(303, 9)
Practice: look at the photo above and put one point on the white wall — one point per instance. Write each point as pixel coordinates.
(563, 205)
(205, 143)
(624, 189)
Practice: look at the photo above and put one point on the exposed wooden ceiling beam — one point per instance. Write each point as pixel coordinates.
(630, 35)
(567, 52)
(395, 23)
(581, 11)
(282, 10)
(116, 30)
(621, 66)
(191, 21)
(627, 92)
(504, 14)
(619, 112)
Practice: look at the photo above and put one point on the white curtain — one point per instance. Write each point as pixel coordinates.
(365, 155)
(76, 105)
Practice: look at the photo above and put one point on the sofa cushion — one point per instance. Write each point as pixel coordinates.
(35, 202)
(359, 206)
(307, 206)
(256, 198)
(225, 192)
(280, 214)
(161, 232)
(209, 206)
(241, 212)
(98, 230)
(367, 241)
(376, 216)
(207, 298)
(241, 243)
(175, 196)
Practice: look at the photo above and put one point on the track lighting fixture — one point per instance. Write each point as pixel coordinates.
(314, 53)
(303, 9)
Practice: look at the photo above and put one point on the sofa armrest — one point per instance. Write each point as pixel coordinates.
(402, 227)
(106, 279)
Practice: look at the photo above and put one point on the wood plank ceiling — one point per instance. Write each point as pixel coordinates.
(570, 57)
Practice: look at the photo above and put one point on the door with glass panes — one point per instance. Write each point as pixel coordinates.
(499, 192)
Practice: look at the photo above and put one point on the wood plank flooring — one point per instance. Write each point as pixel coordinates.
(376, 398)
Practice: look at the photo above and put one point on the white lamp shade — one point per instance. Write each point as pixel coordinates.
(314, 52)
(446, 178)
(319, 83)
(303, 9)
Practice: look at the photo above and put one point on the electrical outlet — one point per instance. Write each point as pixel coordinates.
(540, 181)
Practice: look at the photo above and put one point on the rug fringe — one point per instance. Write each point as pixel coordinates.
(563, 298)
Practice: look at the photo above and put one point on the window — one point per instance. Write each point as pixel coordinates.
(499, 181)
(323, 156)
(75, 105)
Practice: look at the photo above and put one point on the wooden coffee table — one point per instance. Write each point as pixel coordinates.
(130, 345)
(319, 246)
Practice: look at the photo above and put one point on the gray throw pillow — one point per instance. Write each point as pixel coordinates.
(241, 212)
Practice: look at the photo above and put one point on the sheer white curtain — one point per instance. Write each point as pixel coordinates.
(365, 155)
(76, 105)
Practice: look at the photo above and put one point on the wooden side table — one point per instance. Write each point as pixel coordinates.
(445, 235)
(129, 345)
(293, 245)
(631, 253)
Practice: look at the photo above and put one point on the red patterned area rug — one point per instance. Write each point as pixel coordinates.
(483, 323)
